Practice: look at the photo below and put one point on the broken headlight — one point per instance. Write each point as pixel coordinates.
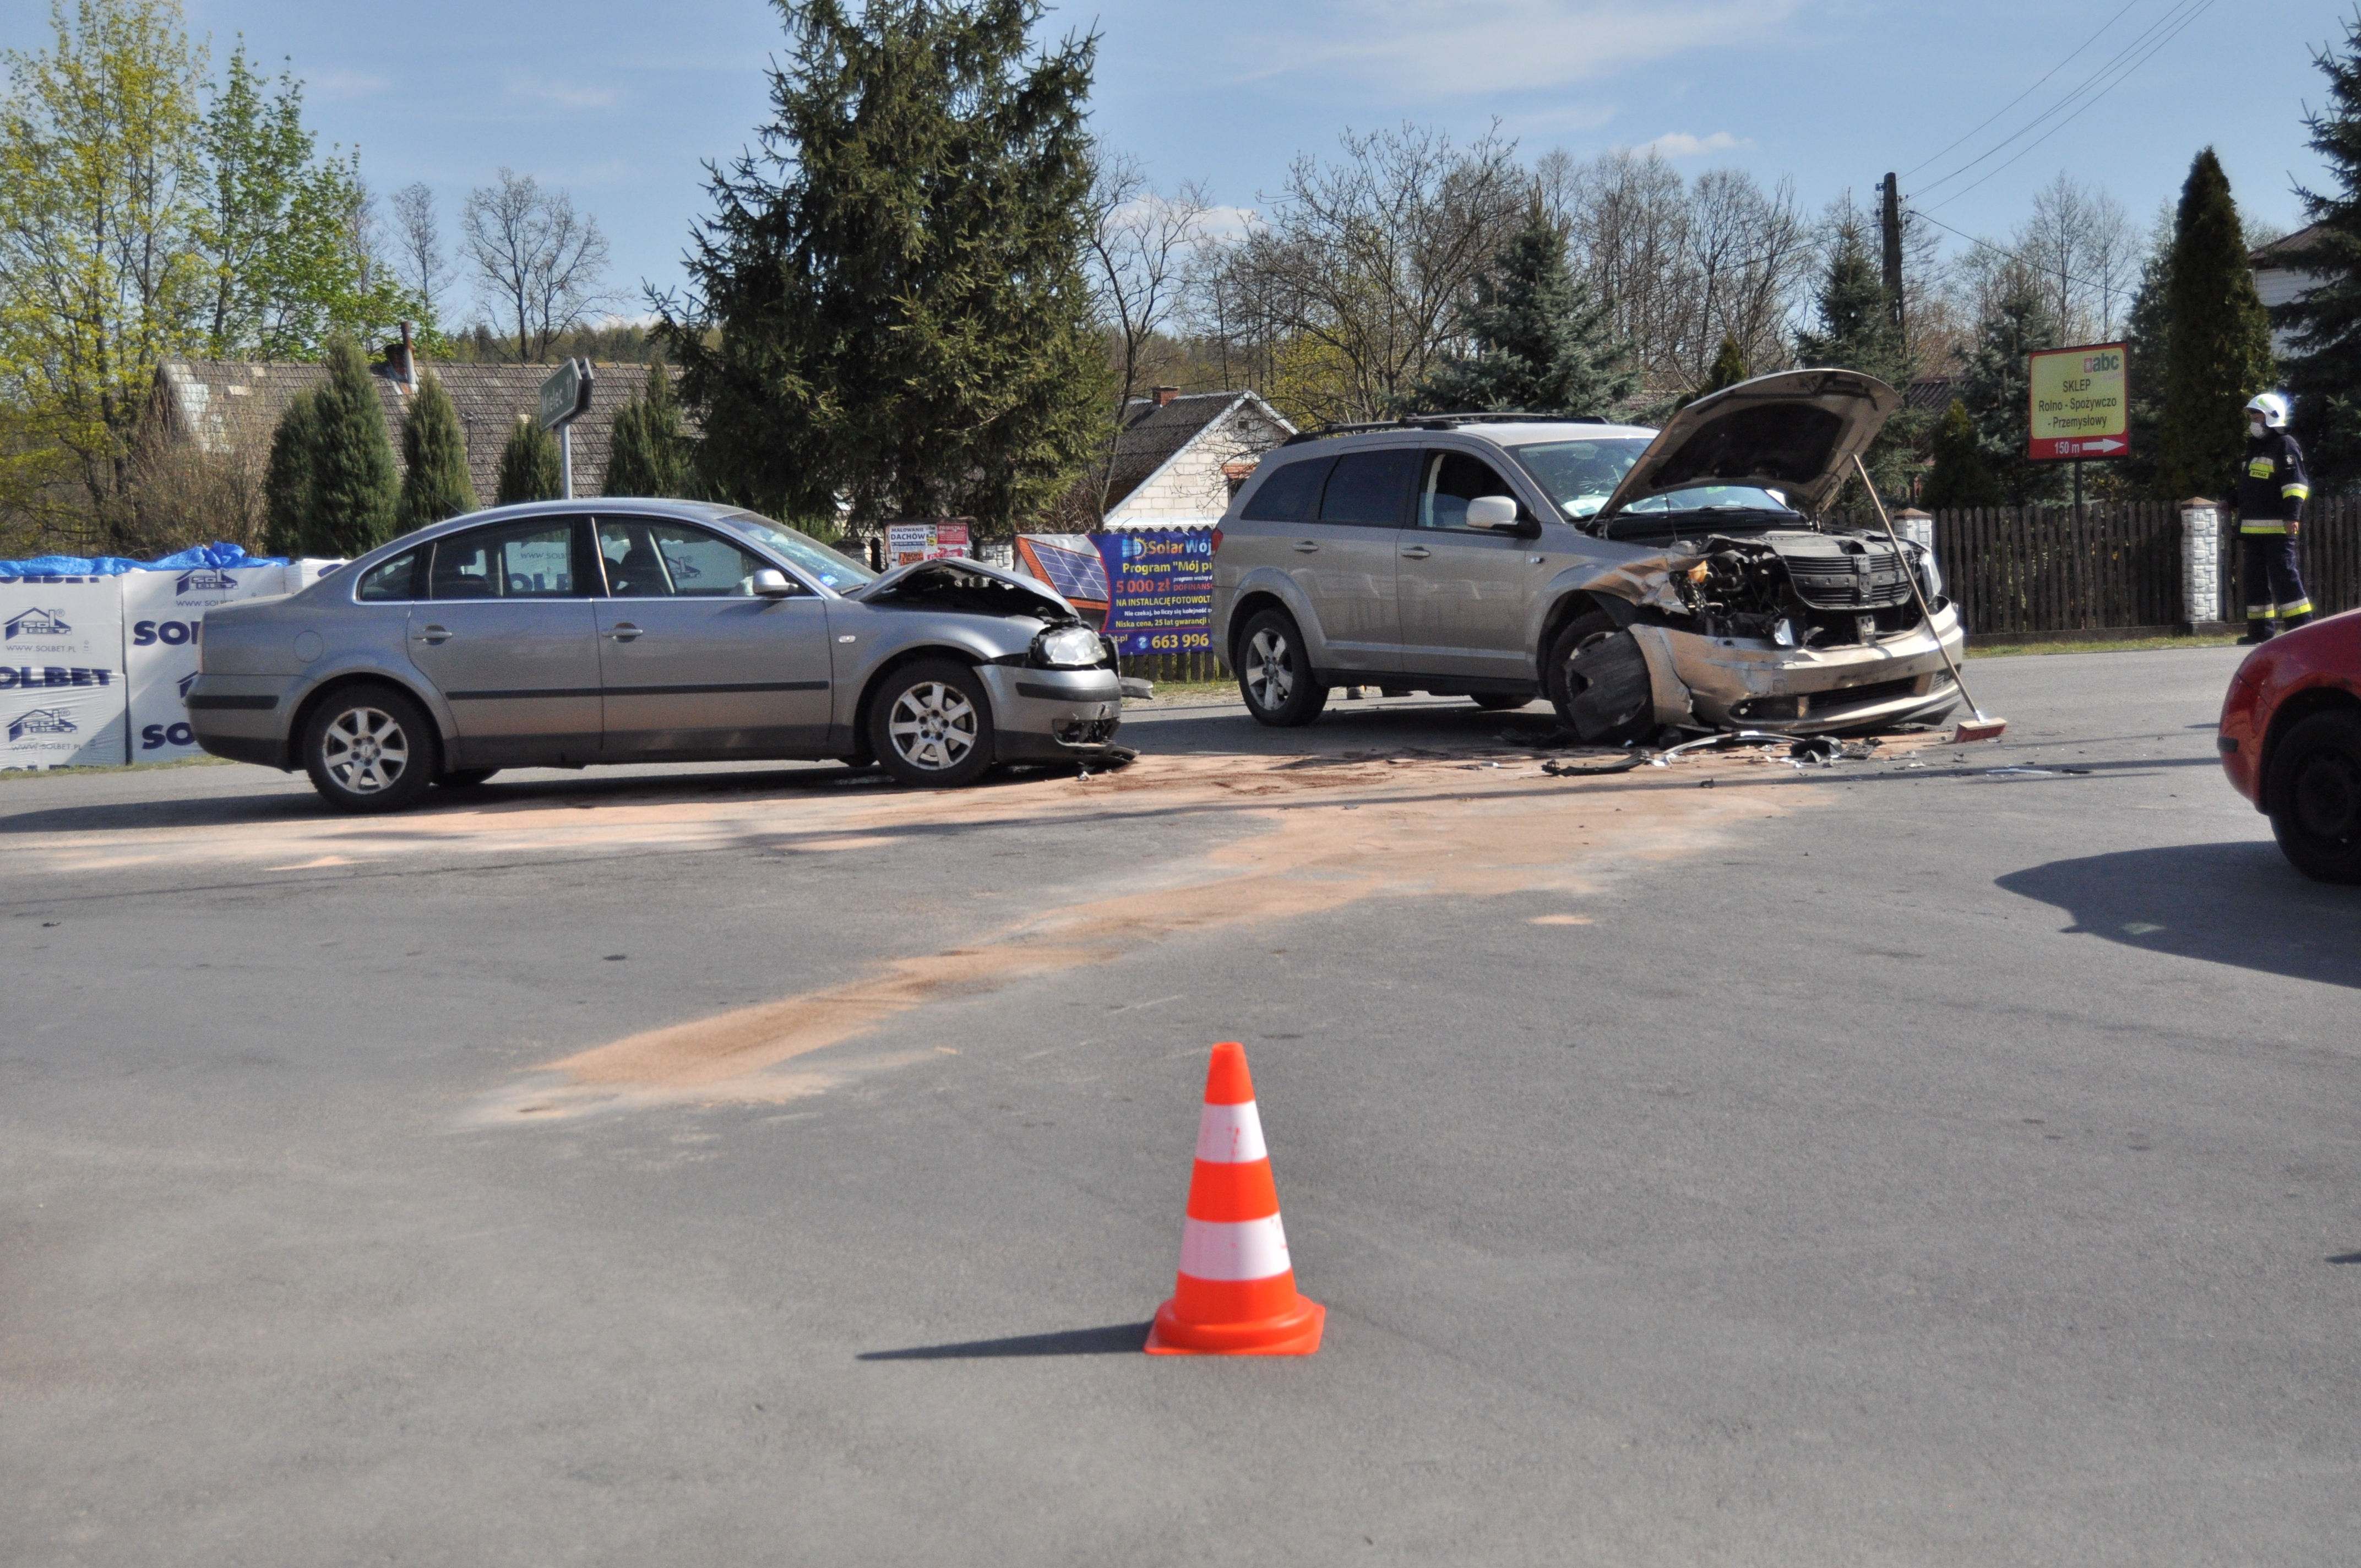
(1066, 648)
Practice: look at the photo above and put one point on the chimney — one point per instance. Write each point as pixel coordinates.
(409, 360)
(1163, 395)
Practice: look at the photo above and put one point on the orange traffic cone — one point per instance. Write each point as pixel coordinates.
(1237, 1290)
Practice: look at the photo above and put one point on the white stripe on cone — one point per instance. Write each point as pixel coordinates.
(1230, 1135)
(1245, 1249)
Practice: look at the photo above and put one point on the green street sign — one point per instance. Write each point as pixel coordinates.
(566, 396)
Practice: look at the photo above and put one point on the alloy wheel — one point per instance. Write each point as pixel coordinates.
(933, 727)
(365, 750)
(1270, 674)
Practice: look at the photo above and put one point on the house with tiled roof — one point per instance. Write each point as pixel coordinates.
(1176, 460)
(2278, 283)
(228, 405)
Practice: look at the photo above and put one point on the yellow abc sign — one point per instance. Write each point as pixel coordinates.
(2080, 402)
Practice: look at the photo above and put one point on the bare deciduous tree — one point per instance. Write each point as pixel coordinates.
(1141, 243)
(535, 259)
(2080, 244)
(418, 247)
(1353, 283)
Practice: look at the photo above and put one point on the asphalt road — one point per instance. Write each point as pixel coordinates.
(1886, 1164)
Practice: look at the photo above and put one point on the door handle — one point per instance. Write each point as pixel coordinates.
(1415, 552)
(1305, 547)
(436, 634)
(623, 631)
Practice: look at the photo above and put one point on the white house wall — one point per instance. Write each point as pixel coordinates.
(1190, 490)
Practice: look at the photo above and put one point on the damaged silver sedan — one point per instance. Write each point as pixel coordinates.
(1639, 579)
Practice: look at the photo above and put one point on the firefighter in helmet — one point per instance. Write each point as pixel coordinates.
(2272, 489)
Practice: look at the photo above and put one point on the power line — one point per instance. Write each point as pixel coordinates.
(2030, 92)
(2202, 6)
(2118, 67)
(2040, 267)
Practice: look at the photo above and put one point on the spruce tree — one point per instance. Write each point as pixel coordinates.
(2324, 369)
(646, 454)
(1542, 345)
(1995, 385)
(1961, 477)
(2217, 347)
(529, 465)
(354, 486)
(287, 482)
(436, 483)
(888, 304)
(2145, 334)
(1857, 332)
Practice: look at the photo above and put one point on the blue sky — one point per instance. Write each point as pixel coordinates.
(620, 103)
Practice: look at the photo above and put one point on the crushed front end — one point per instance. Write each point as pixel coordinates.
(1804, 632)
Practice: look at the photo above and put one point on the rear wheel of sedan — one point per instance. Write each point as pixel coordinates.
(1275, 674)
(2313, 795)
(370, 748)
(1598, 680)
(931, 725)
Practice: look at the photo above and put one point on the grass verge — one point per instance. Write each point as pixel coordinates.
(11, 775)
(2128, 645)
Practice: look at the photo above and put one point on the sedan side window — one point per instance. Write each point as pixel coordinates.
(1368, 487)
(1453, 479)
(1290, 494)
(666, 560)
(532, 560)
(394, 579)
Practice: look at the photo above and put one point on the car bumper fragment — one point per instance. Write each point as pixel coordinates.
(1897, 679)
(1043, 713)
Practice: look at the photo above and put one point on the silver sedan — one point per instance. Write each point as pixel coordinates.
(570, 633)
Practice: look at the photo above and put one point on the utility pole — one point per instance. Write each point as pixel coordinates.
(1890, 225)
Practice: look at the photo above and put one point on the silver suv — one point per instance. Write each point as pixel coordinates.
(1637, 579)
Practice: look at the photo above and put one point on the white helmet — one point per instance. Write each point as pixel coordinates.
(2272, 407)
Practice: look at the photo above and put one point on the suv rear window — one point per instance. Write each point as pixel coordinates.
(1290, 493)
(1368, 488)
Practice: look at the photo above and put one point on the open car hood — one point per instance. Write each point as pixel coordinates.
(1796, 432)
(957, 582)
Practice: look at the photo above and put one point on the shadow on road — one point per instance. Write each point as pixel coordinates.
(2235, 904)
(1115, 1339)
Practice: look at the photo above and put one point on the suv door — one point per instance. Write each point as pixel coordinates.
(506, 635)
(1465, 593)
(691, 662)
(1344, 559)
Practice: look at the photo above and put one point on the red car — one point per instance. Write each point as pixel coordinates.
(2292, 744)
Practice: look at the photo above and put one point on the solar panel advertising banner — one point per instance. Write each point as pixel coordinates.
(1068, 562)
(1160, 589)
(163, 618)
(62, 695)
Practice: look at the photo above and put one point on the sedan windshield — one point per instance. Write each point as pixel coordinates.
(841, 573)
(1580, 475)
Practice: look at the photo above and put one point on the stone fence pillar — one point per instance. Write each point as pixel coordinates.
(1917, 527)
(2201, 523)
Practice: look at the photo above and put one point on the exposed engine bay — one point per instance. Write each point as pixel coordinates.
(1803, 589)
(965, 587)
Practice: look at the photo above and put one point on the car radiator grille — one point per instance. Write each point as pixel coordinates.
(1874, 579)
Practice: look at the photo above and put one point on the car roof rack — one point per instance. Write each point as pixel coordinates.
(1438, 421)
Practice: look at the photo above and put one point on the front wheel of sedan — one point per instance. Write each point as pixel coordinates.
(931, 725)
(2313, 795)
(1275, 674)
(370, 748)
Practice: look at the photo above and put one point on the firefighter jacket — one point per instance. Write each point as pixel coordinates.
(2273, 486)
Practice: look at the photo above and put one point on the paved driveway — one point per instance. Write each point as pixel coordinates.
(1900, 1163)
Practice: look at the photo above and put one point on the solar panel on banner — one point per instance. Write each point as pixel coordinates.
(1078, 577)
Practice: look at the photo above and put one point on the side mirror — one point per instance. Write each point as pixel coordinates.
(1492, 511)
(769, 583)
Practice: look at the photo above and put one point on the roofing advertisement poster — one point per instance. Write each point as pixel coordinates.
(908, 541)
(1160, 589)
(62, 695)
(163, 620)
(2081, 402)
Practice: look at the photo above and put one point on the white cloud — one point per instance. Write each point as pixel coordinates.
(1454, 48)
(557, 94)
(1686, 144)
